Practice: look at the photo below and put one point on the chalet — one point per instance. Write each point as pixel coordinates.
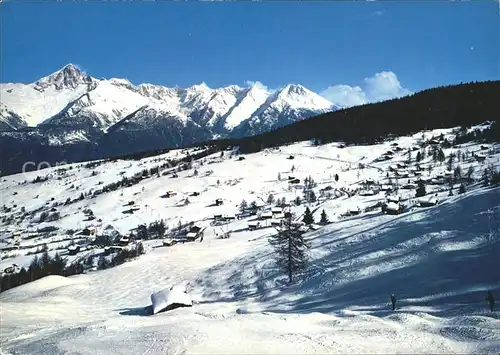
(291, 157)
(392, 208)
(194, 194)
(367, 192)
(386, 188)
(194, 233)
(266, 215)
(398, 149)
(169, 194)
(73, 249)
(428, 202)
(89, 231)
(294, 181)
(218, 217)
(275, 222)
(276, 210)
(480, 157)
(409, 186)
(168, 242)
(402, 173)
(253, 225)
(219, 202)
(394, 199)
(353, 212)
(241, 158)
(394, 144)
(369, 182)
(484, 147)
(124, 241)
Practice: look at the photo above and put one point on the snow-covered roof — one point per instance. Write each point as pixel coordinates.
(191, 234)
(392, 206)
(393, 198)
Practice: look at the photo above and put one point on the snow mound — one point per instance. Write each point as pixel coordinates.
(169, 298)
(37, 288)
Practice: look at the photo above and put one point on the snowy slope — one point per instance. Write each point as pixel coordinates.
(439, 261)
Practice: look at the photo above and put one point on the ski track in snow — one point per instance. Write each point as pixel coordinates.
(438, 261)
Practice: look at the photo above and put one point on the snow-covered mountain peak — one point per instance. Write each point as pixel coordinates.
(298, 96)
(200, 87)
(68, 77)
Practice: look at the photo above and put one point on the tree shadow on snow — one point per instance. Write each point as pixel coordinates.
(433, 264)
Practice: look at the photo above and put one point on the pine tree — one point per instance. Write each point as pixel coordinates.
(291, 248)
(308, 217)
(279, 176)
(458, 172)
(58, 264)
(336, 177)
(441, 157)
(470, 171)
(451, 159)
(419, 157)
(461, 189)
(297, 201)
(420, 190)
(324, 218)
(270, 199)
(34, 269)
(243, 206)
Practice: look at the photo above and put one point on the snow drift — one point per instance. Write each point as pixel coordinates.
(170, 298)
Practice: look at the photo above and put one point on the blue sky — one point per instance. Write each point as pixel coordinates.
(359, 50)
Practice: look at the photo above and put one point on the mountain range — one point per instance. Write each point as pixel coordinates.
(89, 118)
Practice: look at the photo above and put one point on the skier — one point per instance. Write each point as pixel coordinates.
(491, 300)
(393, 301)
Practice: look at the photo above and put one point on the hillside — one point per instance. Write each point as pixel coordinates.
(438, 259)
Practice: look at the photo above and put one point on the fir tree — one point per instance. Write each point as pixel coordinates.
(308, 217)
(291, 248)
(243, 206)
(297, 201)
(420, 191)
(324, 218)
(461, 189)
(270, 199)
